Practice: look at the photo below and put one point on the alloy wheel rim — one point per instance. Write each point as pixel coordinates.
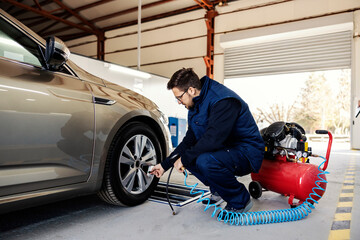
(135, 158)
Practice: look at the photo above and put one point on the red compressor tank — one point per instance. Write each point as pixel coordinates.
(293, 179)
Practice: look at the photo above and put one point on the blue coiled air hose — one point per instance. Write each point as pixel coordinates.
(264, 217)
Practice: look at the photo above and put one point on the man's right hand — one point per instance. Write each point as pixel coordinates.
(157, 170)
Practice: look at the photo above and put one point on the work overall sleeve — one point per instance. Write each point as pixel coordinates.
(222, 118)
(188, 141)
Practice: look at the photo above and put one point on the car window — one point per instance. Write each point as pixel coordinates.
(17, 46)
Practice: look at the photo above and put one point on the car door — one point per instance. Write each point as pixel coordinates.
(46, 119)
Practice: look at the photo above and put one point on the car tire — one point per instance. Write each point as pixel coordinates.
(126, 182)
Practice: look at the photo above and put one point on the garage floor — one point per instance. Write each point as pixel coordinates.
(89, 218)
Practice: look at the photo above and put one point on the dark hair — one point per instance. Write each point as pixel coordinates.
(183, 79)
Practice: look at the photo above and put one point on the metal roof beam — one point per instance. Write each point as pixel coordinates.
(66, 15)
(37, 17)
(91, 5)
(75, 14)
(125, 12)
(11, 7)
(68, 37)
(37, 4)
(155, 17)
(130, 10)
(48, 15)
(22, 11)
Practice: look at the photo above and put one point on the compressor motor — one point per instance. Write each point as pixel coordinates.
(286, 138)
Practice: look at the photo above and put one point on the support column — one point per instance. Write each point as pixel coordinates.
(101, 46)
(139, 36)
(209, 58)
(355, 85)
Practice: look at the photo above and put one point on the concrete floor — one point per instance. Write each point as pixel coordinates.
(89, 218)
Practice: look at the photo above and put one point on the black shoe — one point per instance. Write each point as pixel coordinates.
(214, 199)
(226, 213)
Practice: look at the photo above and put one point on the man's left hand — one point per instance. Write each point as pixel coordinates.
(179, 166)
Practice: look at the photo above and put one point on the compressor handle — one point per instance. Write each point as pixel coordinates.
(329, 146)
(321, 132)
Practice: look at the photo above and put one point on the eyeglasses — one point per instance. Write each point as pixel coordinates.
(179, 97)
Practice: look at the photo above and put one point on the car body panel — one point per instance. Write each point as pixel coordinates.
(57, 127)
(38, 115)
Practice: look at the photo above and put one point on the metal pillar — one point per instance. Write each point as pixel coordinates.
(209, 58)
(100, 45)
(139, 36)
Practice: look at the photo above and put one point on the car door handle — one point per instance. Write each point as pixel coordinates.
(104, 101)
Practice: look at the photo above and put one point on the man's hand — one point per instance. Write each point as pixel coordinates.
(157, 170)
(179, 166)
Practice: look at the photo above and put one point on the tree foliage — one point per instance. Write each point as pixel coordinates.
(276, 112)
(315, 103)
(319, 105)
(340, 111)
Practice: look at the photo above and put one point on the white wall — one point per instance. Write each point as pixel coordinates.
(153, 88)
(165, 58)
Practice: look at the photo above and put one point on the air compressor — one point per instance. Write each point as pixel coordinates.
(286, 168)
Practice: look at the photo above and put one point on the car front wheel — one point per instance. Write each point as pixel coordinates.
(133, 151)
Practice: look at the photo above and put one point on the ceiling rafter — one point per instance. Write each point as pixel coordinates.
(37, 4)
(87, 26)
(12, 7)
(210, 5)
(66, 15)
(74, 24)
(56, 10)
(68, 37)
(75, 14)
(32, 18)
(203, 4)
(41, 31)
(135, 9)
(158, 16)
(91, 5)
(22, 11)
(130, 23)
(80, 25)
(112, 15)
(60, 15)
(49, 15)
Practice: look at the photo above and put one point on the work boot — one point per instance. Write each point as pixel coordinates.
(214, 199)
(228, 208)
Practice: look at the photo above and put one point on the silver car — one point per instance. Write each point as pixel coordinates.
(65, 132)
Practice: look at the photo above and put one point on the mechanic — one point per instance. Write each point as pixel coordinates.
(222, 140)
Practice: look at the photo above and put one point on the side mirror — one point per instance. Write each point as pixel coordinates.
(56, 53)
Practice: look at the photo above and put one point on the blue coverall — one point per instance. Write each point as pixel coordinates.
(222, 142)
